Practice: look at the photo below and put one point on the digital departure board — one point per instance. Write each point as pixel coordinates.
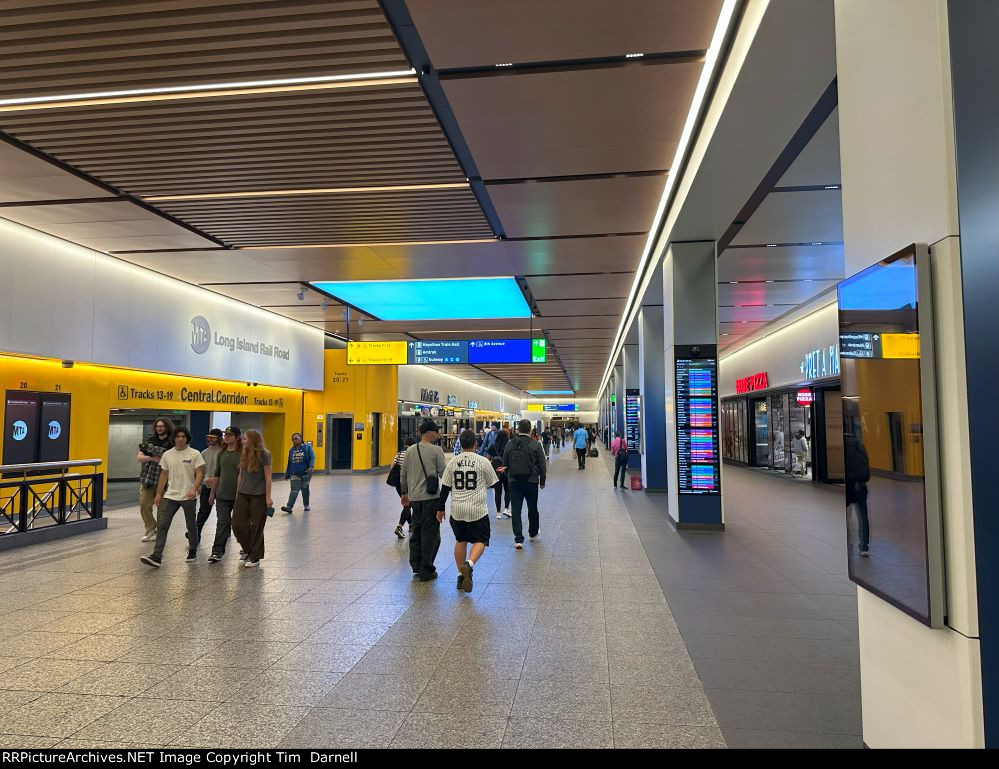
(633, 419)
(698, 469)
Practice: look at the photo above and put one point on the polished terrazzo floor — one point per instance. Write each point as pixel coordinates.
(331, 643)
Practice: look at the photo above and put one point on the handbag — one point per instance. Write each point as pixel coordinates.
(394, 475)
(433, 482)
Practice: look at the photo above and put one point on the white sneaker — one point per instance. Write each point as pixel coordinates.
(250, 564)
(149, 538)
(536, 536)
(518, 545)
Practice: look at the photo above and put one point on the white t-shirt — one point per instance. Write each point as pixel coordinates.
(469, 476)
(180, 467)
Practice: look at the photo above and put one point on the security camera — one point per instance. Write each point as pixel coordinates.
(301, 295)
(695, 351)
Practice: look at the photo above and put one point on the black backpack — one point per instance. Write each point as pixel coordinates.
(521, 464)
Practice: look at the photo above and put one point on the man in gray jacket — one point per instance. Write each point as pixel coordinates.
(524, 460)
(423, 461)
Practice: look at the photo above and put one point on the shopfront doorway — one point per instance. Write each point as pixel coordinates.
(340, 443)
(761, 433)
(375, 437)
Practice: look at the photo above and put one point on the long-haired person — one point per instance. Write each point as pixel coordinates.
(253, 497)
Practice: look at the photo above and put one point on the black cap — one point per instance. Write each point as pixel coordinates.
(429, 426)
(216, 432)
(234, 430)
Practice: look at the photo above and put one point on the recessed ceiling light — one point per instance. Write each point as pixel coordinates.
(832, 186)
(817, 243)
(733, 282)
(207, 90)
(768, 281)
(314, 191)
(634, 55)
(505, 64)
(771, 245)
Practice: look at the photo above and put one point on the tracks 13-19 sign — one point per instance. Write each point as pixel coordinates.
(698, 469)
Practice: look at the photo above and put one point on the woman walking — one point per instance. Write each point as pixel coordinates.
(253, 497)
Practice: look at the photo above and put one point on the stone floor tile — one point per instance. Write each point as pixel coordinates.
(62, 715)
(45, 675)
(430, 731)
(146, 721)
(337, 728)
(203, 683)
(288, 687)
(126, 679)
(543, 733)
(229, 727)
(642, 736)
(367, 691)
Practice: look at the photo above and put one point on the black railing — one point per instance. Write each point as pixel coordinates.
(47, 494)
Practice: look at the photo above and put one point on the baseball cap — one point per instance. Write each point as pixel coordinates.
(234, 430)
(216, 432)
(429, 426)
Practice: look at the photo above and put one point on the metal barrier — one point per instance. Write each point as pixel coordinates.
(47, 494)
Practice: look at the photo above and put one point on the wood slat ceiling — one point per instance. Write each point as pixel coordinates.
(66, 46)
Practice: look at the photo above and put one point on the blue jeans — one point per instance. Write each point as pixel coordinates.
(299, 483)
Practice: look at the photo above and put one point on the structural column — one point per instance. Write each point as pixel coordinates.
(690, 337)
(652, 375)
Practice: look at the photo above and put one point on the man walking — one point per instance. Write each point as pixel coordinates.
(301, 459)
(150, 452)
(486, 449)
(467, 479)
(224, 490)
(582, 439)
(211, 457)
(181, 472)
(419, 482)
(525, 464)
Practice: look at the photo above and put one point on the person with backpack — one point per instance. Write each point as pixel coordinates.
(301, 459)
(619, 450)
(422, 468)
(525, 464)
(395, 480)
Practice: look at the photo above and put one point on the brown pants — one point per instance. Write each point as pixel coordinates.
(248, 519)
(146, 496)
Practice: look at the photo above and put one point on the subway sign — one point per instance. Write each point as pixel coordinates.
(752, 383)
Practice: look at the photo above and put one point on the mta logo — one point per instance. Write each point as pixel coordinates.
(55, 430)
(20, 430)
(201, 334)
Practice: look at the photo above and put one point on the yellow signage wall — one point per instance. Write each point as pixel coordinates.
(362, 391)
(96, 390)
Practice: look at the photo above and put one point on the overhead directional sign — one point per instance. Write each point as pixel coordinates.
(438, 351)
(376, 353)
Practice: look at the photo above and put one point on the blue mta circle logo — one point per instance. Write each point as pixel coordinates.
(20, 430)
(201, 334)
(55, 430)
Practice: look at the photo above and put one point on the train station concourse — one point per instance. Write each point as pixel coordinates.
(497, 374)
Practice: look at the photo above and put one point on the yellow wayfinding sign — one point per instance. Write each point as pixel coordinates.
(535, 407)
(900, 346)
(376, 353)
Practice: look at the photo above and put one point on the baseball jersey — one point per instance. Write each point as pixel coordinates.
(469, 476)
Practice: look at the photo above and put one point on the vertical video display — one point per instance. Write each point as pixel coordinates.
(698, 470)
(890, 466)
(633, 419)
(53, 428)
(20, 427)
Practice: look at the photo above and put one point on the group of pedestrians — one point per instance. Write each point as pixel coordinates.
(233, 475)
(427, 480)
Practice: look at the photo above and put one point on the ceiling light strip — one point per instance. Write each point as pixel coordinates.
(643, 275)
(372, 245)
(5, 105)
(314, 191)
(175, 89)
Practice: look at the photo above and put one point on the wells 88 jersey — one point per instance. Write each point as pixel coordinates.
(469, 476)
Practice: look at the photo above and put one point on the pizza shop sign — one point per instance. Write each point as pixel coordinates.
(752, 383)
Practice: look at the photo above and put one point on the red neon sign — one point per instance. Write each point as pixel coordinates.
(806, 397)
(747, 384)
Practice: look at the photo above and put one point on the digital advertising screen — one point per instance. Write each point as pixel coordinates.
(20, 427)
(53, 432)
(889, 438)
(698, 464)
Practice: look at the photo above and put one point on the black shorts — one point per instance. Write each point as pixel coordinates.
(471, 531)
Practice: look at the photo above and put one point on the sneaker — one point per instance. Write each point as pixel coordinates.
(864, 554)
(213, 558)
(518, 545)
(306, 509)
(250, 564)
(149, 537)
(466, 570)
(151, 560)
(285, 508)
(461, 579)
(429, 578)
(192, 556)
(506, 516)
(536, 535)
(398, 531)
(242, 555)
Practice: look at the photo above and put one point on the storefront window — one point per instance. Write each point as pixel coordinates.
(761, 433)
(779, 442)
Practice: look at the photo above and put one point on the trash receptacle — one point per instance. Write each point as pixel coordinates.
(636, 483)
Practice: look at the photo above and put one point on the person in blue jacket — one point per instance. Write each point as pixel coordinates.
(301, 459)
